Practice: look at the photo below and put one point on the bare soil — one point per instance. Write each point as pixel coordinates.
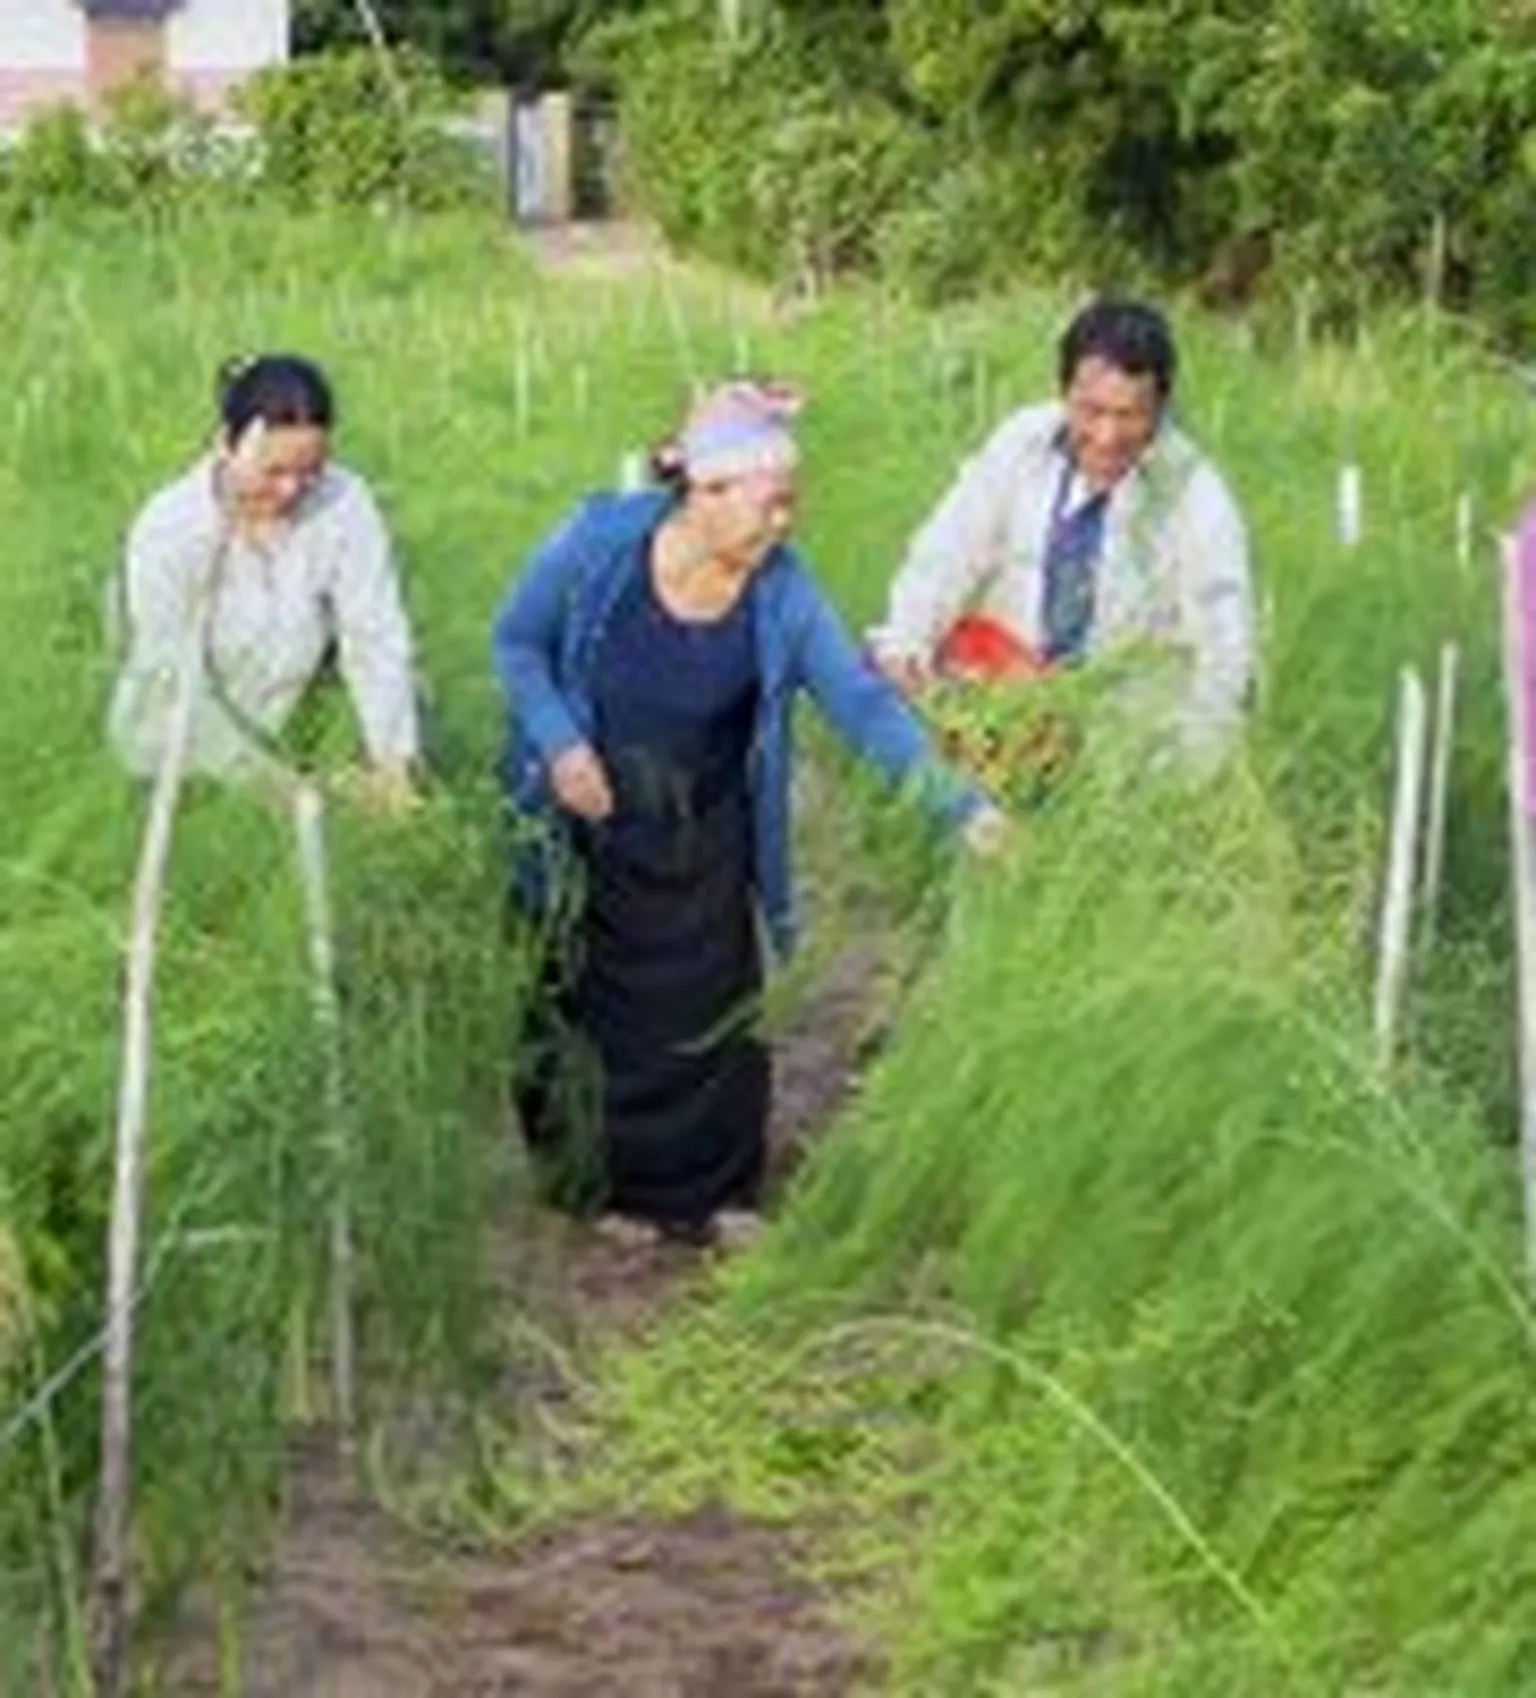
(353, 1605)
(598, 250)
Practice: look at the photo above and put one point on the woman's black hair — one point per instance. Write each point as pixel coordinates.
(278, 389)
(1129, 335)
(666, 469)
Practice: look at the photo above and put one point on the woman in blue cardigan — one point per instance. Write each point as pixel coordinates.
(650, 654)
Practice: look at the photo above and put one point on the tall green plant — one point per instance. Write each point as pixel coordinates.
(347, 128)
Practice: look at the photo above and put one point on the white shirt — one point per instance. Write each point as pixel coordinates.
(327, 575)
(1174, 567)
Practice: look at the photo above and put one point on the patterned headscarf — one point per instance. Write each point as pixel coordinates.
(737, 429)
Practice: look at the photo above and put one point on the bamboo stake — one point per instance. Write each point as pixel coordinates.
(1434, 270)
(522, 378)
(677, 323)
(1397, 897)
(1464, 533)
(309, 829)
(374, 30)
(1268, 624)
(1522, 817)
(887, 393)
(1303, 323)
(1439, 792)
(112, 1531)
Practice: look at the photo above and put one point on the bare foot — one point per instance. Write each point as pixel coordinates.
(626, 1232)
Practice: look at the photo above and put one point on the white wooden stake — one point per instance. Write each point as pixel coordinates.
(1351, 503)
(1464, 533)
(309, 829)
(1397, 895)
(884, 333)
(522, 381)
(1303, 324)
(1439, 792)
(1522, 815)
(113, 1509)
(1266, 646)
(677, 323)
(980, 395)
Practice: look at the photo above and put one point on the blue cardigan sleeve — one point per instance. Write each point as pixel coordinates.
(528, 633)
(867, 711)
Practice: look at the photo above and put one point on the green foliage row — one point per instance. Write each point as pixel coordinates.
(331, 130)
(521, 43)
(1343, 154)
(1132, 1337)
(1134, 1068)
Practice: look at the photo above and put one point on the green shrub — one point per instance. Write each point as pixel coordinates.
(1351, 154)
(342, 129)
(824, 177)
(157, 146)
(682, 85)
(54, 167)
(327, 131)
(754, 149)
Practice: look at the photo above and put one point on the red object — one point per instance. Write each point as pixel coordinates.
(981, 649)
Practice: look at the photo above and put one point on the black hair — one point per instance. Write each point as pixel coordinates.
(665, 468)
(1129, 335)
(278, 389)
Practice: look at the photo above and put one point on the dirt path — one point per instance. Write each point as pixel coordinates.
(355, 1606)
(624, 251)
(706, 1607)
(598, 250)
(352, 1605)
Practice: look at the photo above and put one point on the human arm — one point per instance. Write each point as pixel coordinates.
(1216, 607)
(867, 710)
(958, 548)
(525, 643)
(171, 560)
(373, 636)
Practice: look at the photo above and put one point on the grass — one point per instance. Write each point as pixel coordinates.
(1188, 1348)
(1160, 1342)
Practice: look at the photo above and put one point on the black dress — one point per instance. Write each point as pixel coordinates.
(650, 1092)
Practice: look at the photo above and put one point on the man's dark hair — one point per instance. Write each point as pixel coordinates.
(1129, 335)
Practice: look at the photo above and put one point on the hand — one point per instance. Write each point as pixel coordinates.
(906, 672)
(273, 785)
(988, 832)
(243, 462)
(385, 787)
(580, 784)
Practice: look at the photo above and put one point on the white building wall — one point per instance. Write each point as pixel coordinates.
(43, 35)
(211, 46)
(222, 36)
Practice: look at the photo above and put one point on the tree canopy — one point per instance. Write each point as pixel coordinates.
(520, 42)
